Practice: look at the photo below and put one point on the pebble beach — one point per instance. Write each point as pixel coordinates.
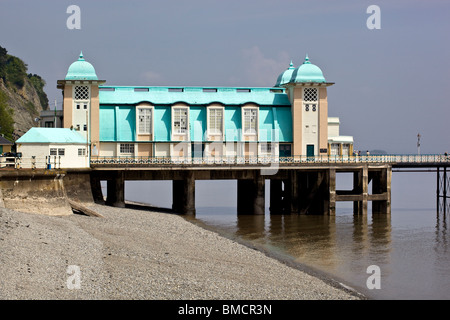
(141, 255)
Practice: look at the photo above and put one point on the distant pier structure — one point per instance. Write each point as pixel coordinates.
(442, 190)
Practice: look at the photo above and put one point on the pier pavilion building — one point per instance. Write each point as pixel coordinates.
(119, 134)
(288, 119)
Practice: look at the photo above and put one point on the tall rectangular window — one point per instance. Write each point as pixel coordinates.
(180, 120)
(215, 121)
(145, 120)
(250, 121)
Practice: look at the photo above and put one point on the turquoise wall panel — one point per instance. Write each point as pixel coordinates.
(107, 124)
(126, 123)
(266, 124)
(197, 123)
(162, 123)
(283, 122)
(118, 123)
(232, 123)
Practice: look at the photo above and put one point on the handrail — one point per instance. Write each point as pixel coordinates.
(55, 162)
(48, 162)
(163, 160)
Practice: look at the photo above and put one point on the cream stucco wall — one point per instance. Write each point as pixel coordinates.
(67, 106)
(162, 149)
(108, 150)
(333, 127)
(297, 123)
(145, 149)
(70, 159)
(323, 121)
(95, 115)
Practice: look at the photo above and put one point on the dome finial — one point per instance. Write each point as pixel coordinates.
(81, 58)
(306, 59)
(291, 64)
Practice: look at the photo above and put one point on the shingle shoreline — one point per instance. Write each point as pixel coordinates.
(135, 254)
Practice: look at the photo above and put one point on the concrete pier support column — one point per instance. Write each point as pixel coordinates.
(276, 197)
(365, 189)
(314, 192)
(381, 191)
(361, 188)
(183, 194)
(320, 192)
(292, 193)
(303, 192)
(388, 189)
(96, 189)
(251, 195)
(116, 190)
(331, 208)
(357, 189)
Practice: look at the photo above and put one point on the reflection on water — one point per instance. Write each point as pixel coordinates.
(410, 251)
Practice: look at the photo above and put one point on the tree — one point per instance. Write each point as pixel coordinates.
(3, 60)
(39, 84)
(6, 119)
(16, 71)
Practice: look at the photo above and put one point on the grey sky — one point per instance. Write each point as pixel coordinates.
(390, 83)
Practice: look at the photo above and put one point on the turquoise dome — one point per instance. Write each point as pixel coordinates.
(307, 72)
(285, 76)
(81, 70)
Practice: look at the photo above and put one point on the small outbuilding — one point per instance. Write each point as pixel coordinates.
(53, 148)
(5, 145)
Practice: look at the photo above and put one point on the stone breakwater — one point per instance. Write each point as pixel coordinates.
(137, 254)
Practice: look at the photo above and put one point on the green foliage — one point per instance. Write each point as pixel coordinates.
(16, 71)
(3, 59)
(13, 71)
(6, 119)
(38, 83)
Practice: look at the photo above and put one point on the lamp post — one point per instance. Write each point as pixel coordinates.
(418, 144)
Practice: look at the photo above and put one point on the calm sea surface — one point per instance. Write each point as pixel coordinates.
(411, 247)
